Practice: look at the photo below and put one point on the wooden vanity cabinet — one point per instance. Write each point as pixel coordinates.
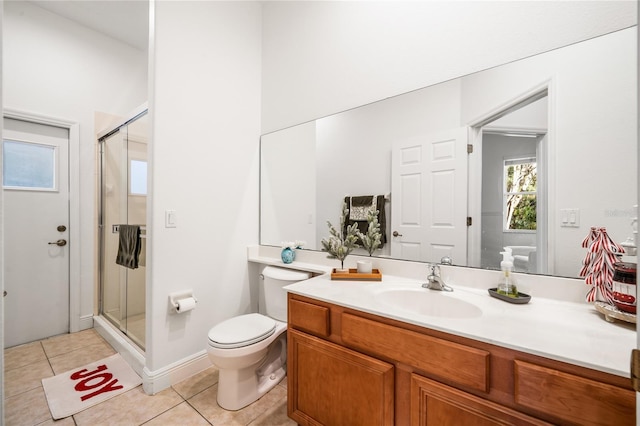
(331, 385)
(347, 367)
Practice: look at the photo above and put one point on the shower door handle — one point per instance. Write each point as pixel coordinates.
(59, 243)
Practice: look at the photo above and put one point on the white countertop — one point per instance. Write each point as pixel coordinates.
(565, 331)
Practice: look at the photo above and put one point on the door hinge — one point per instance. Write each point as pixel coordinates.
(469, 148)
(469, 221)
(635, 369)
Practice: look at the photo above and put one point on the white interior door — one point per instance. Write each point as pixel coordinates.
(429, 202)
(36, 234)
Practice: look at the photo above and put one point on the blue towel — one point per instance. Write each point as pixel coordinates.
(129, 246)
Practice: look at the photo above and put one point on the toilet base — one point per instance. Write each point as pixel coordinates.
(239, 388)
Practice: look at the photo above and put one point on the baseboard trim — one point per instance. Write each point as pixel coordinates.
(85, 323)
(129, 351)
(158, 380)
(152, 381)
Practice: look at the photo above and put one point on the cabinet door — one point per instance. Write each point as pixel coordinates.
(330, 385)
(435, 404)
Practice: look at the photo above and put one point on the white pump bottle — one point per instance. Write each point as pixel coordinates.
(507, 285)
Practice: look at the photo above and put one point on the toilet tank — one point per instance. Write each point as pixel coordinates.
(275, 297)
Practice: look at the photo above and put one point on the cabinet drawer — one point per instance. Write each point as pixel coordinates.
(450, 361)
(308, 317)
(572, 398)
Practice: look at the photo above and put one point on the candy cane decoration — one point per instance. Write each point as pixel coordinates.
(590, 237)
(597, 266)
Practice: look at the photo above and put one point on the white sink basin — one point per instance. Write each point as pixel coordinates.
(428, 302)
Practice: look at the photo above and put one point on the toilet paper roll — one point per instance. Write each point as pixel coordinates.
(185, 305)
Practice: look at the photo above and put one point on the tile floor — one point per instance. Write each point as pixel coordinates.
(191, 402)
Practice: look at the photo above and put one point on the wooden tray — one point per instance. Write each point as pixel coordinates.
(353, 275)
(611, 313)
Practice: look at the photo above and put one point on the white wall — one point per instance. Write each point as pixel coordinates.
(287, 185)
(205, 120)
(320, 58)
(53, 66)
(534, 116)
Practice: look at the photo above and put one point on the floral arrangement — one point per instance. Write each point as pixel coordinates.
(373, 238)
(340, 244)
(293, 245)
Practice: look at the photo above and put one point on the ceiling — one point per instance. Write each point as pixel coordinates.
(123, 20)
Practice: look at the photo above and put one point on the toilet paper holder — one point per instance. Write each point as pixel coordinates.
(180, 295)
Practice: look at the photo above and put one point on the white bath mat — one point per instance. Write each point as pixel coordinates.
(76, 390)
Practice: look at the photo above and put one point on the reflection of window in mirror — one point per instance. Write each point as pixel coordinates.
(138, 177)
(519, 205)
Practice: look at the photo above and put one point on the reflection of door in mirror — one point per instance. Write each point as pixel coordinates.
(514, 188)
(429, 206)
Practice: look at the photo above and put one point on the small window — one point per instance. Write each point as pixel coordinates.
(28, 165)
(138, 178)
(520, 198)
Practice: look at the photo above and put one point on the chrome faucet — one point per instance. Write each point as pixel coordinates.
(434, 281)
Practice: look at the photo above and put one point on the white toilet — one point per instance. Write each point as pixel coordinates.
(250, 350)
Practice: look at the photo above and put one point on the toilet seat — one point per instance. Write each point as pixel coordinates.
(243, 330)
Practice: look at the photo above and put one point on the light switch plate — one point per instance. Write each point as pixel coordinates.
(570, 218)
(170, 219)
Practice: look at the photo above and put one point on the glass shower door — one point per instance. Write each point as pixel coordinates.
(124, 201)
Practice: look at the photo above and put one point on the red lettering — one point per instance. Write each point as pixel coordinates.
(107, 388)
(81, 374)
(94, 379)
(83, 386)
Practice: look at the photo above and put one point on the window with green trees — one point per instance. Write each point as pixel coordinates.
(519, 205)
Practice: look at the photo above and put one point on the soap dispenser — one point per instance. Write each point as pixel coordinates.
(507, 285)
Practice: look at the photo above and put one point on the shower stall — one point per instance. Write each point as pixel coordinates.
(123, 201)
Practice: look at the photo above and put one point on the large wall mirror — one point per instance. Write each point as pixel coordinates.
(528, 155)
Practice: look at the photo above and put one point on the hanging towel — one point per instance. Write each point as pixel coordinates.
(358, 209)
(142, 258)
(129, 246)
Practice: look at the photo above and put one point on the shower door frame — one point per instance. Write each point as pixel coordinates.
(102, 137)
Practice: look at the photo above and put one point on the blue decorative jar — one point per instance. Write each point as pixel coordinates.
(288, 255)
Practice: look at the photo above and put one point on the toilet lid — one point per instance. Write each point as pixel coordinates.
(241, 331)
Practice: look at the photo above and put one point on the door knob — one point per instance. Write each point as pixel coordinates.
(59, 243)
(395, 234)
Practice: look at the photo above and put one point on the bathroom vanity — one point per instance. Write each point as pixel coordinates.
(368, 354)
